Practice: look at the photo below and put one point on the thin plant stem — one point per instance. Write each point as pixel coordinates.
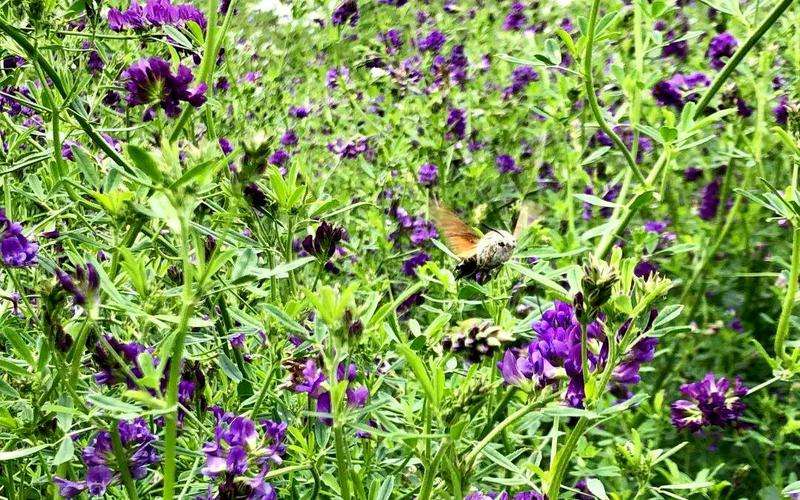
(782, 331)
(590, 94)
(176, 357)
(122, 462)
(341, 461)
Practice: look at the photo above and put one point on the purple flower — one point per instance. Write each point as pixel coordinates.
(392, 40)
(347, 11)
(555, 354)
(102, 469)
(506, 165)
(353, 148)
(95, 63)
(357, 397)
(239, 456)
(85, 285)
(456, 124)
(67, 488)
(15, 249)
(645, 268)
(299, 111)
(679, 89)
(710, 402)
(428, 174)
(151, 82)
(411, 264)
(279, 158)
(520, 78)
(515, 19)
(679, 49)
(781, 110)
(225, 145)
(433, 42)
(722, 45)
(238, 341)
(289, 138)
(709, 200)
(333, 76)
(66, 149)
(322, 244)
(155, 13)
(691, 174)
(422, 230)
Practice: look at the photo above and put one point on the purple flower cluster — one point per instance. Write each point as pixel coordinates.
(154, 13)
(428, 174)
(520, 78)
(556, 354)
(451, 69)
(323, 243)
(411, 264)
(392, 40)
(15, 248)
(506, 164)
(710, 402)
(240, 456)
(679, 89)
(722, 45)
(352, 149)
(420, 229)
(432, 42)
(503, 495)
(709, 199)
(102, 469)
(346, 12)
(151, 82)
(515, 19)
(456, 124)
(313, 383)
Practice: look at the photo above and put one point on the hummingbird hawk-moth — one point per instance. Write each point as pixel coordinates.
(478, 253)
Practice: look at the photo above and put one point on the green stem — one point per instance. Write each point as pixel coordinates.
(782, 331)
(341, 461)
(497, 429)
(739, 55)
(122, 462)
(176, 357)
(77, 351)
(596, 111)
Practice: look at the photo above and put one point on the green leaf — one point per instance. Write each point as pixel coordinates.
(65, 453)
(145, 162)
(229, 368)
(540, 279)
(284, 319)
(596, 488)
(385, 491)
(595, 200)
(421, 374)
(21, 453)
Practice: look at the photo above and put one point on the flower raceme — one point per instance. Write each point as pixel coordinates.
(102, 469)
(241, 454)
(155, 13)
(710, 402)
(151, 82)
(312, 381)
(15, 249)
(556, 354)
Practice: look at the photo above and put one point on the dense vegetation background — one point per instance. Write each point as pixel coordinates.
(222, 276)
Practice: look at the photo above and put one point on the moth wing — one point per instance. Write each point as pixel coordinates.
(459, 237)
(527, 215)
